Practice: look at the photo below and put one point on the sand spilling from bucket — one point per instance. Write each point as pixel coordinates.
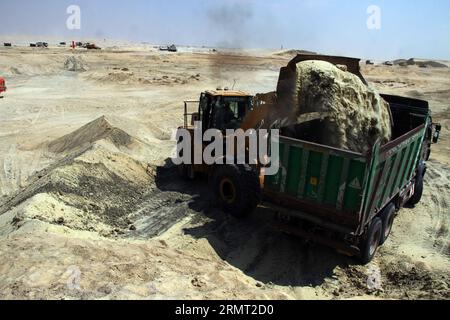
(351, 115)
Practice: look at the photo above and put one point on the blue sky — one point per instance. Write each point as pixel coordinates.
(409, 28)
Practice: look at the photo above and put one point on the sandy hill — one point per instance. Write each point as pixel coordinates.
(293, 52)
(94, 131)
(420, 63)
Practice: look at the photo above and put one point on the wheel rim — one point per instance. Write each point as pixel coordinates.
(375, 242)
(227, 191)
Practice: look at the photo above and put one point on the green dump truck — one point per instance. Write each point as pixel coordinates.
(348, 200)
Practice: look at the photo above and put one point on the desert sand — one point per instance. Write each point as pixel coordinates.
(91, 208)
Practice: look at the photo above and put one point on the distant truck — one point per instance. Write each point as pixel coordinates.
(172, 48)
(91, 46)
(7, 44)
(2, 86)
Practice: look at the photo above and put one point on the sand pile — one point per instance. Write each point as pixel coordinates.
(423, 64)
(293, 52)
(94, 131)
(75, 64)
(350, 115)
(93, 190)
(99, 183)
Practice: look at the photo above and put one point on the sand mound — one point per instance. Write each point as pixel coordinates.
(123, 76)
(352, 116)
(75, 64)
(14, 71)
(94, 131)
(423, 64)
(93, 191)
(100, 182)
(432, 64)
(294, 52)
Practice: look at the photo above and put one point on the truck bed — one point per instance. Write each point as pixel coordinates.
(343, 190)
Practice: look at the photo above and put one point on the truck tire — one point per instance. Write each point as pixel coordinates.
(387, 217)
(236, 189)
(418, 189)
(371, 241)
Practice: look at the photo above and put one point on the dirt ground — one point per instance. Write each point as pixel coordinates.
(90, 207)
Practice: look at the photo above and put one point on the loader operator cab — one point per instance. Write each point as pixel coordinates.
(224, 109)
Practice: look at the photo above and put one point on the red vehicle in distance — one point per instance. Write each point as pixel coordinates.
(2, 86)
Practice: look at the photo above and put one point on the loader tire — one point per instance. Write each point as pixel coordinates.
(236, 189)
(371, 242)
(387, 217)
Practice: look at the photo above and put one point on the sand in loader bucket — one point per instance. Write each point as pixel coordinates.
(323, 103)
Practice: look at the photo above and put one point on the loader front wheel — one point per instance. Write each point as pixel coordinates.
(236, 189)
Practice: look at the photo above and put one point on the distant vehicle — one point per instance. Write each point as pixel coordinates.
(42, 44)
(7, 44)
(2, 86)
(62, 43)
(79, 44)
(172, 48)
(33, 45)
(91, 46)
(388, 63)
(369, 62)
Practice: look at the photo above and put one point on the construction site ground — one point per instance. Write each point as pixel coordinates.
(91, 208)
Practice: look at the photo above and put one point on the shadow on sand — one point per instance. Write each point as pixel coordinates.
(252, 244)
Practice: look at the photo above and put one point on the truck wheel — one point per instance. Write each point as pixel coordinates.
(418, 190)
(387, 218)
(236, 189)
(372, 241)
